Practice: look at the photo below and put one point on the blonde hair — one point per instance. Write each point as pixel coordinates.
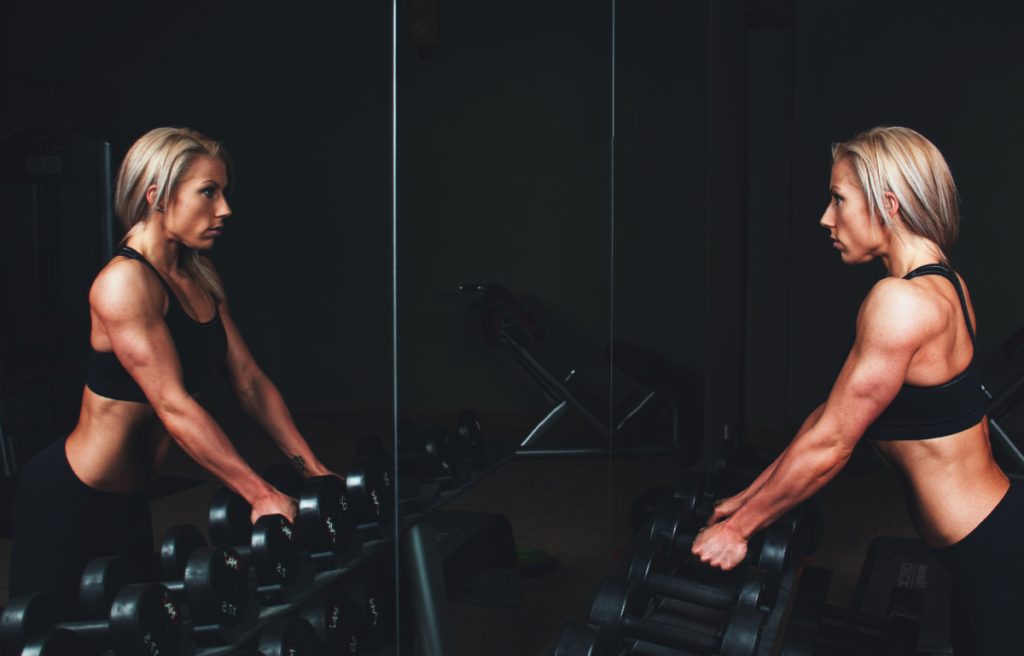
(162, 157)
(901, 161)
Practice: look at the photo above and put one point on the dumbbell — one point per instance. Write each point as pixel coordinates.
(374, 590)
(614, 612)
(288, 636)
(143, 619)
(647, 570)
(696, 504)
(806, 634)
(370, 489)
(579, 639)
(471, 435)
(271, 544)
(416, 490)
(325, 518)
(213, 584)
(769, 549)
(434, 454)
(337, 620)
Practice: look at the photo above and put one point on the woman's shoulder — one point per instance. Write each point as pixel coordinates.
(125, 285)
(902, 308)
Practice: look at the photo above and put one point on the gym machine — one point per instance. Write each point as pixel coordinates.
(505, 323)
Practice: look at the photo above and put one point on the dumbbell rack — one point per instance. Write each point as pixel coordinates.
(419, 540)
(687, 615)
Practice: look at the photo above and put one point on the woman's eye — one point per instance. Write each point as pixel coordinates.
(209, 191)
(835, 200)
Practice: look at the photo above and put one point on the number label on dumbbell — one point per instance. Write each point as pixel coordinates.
(352, 646)
(329, 523)
(344, 502)
(387, 479)
(228, 608)
(373, 608)
(281, 570)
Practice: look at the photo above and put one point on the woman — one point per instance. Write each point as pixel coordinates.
(911, 386)
(160, 326)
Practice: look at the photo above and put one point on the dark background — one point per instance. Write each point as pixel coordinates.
(693, 231)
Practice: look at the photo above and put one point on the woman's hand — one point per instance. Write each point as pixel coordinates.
(719, 546)
(275, 503)
(724, 508)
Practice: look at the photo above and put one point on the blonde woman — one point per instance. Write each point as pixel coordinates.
(911, 386)
(160, 327)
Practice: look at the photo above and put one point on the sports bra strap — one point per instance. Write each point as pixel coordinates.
(939, 270)
(132, 254)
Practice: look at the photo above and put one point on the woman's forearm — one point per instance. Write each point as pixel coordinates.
(204, 441)
(759, 482)
(804, 468)
(263, 404)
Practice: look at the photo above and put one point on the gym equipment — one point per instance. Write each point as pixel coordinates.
(213, 585)
(434, 454)
(56, 642)
(768, 549)
(143, 620)
(579, 639)
(290, 636)
(895, 634)
(647, 571)
(336, 619)
(368, 482)
(502, 319)
(272, 545)
(325, 521)
(614, 611)
(471, 434)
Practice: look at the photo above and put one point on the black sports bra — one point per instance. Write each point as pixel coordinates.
(201, 348)
(921, 413)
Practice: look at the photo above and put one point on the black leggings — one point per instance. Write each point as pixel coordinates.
(60, 524)
(987, 603)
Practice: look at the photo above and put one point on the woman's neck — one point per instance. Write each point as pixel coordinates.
(158, 247)
(906, 252)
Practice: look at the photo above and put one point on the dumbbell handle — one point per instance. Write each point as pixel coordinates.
(94, 629)
(667, 635)
(701, 594)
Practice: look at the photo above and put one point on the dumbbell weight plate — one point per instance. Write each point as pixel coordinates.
(178, 544)
(55, 642)
(102, 579)
(144, 620)
(324, 514)
(230, 518)
(471, 431)
(378, 588)
(27, 616)
(275, 550)
(369, 488)
(579, 639)
(335, 618)
(290, 636)
(216, 586)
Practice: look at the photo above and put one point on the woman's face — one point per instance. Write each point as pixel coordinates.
(856, 234)
(197, 209)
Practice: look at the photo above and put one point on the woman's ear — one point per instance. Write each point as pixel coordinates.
(891, 205)
(151, 198)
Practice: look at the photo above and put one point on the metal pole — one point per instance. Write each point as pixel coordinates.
(429, 596)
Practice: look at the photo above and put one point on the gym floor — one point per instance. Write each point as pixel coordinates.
(562, 506)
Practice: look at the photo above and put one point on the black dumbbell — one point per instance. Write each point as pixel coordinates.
(579, 639)
(895, 634)
(143, 619)
(471, 434)
(696, 504)
(213, 585)
(325, 518)
(434, 454)
(769, 549)
(744, 588)
(271, 545)
(370, 489)
(417, 490)
(337, 619)
(614, 612)
(290, 636)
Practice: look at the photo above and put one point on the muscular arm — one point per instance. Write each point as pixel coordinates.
(892, 325)
(129, 305)
(262, 403)
(726, 507)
